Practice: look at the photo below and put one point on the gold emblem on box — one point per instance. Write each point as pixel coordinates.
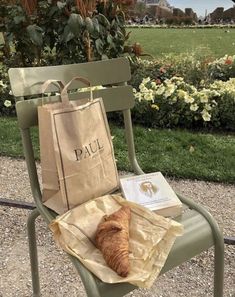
(148, 188)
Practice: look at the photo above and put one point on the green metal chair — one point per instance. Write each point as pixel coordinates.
(201, 230)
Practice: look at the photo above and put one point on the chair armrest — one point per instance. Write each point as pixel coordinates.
(218, 236)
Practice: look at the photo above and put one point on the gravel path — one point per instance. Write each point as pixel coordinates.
(193, 278)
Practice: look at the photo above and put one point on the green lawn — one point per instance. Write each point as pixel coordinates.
(177, 153)
(209, 42)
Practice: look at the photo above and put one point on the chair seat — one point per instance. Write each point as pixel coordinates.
(197, 237)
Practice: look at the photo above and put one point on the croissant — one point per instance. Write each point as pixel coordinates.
(112, 239)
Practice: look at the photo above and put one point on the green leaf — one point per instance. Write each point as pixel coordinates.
(96, 25)
(120, 17)
(104, 57)
(89, 25)
(99, 46)
(67, 35)
(104, 21)
(114, 25)
(52, 11)
(76, 23)
(35, 34)
(110, 40)
(120, 35)
(60, 4)
(103, 30)
(19, 19)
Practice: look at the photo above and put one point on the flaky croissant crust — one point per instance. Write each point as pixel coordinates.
(112, 239)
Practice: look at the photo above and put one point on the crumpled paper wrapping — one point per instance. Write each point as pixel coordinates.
(151, 238)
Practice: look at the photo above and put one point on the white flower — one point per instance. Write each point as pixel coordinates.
(3, 85)
(194, 107)
(143, 89)
(155, 106)
(205, 115)
(10, 92)
(160, 90)
(188, 99)
(214, 102)
(181, 94)
(177, 78)
(203, 98)
(149, 96)
(193, 89)
(207, 107)
(178, 83)
(215, 93)
(146, 80)
(174, 99)
(141, 86)
(153, 85)
(7, 103)
(167, 81)
(170, 88)
(138, 96)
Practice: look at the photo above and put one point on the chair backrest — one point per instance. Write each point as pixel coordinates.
(117, 96)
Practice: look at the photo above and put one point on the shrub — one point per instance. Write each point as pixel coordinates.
(222, 69)
(63, 32)
(6, 100)
(52, 32)
(176, 103)
(201, 79)
(192, 67)
(225, 111)
(179, 21)
(156, 69)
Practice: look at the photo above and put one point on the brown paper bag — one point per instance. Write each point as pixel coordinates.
(77, 157)
(151, 238)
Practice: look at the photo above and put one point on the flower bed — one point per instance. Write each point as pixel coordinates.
(175, 103)
(185, 92)
(6, 99)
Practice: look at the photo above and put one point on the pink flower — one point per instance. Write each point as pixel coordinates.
(228, 62)
(162, 70)
(158, 81)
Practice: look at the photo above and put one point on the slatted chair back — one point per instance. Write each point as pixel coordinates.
(117, 96)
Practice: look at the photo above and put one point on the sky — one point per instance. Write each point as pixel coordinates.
(199, 6)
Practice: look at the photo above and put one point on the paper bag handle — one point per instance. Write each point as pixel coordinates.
(64, 93)
(49, 82)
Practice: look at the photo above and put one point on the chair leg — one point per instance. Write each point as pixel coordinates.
(33, 252)
(219, 246)
(219, 265)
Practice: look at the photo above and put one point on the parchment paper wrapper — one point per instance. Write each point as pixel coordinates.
(151, 238)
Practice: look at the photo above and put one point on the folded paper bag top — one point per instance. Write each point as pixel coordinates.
(151, 238)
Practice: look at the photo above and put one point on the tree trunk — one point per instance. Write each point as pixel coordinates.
(29, 5)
